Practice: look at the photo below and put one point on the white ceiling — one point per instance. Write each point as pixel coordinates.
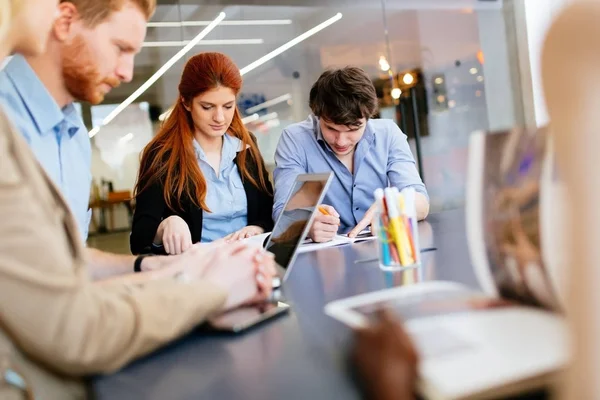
(359, 33)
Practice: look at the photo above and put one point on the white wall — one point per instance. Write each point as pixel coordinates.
(533, 20)
(115, 153)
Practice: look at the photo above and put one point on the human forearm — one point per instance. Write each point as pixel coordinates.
(153, 268)
(102, 265)
(159, 234)
(88, 331)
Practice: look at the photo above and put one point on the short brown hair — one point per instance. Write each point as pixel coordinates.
(94, 12)
(343, 96)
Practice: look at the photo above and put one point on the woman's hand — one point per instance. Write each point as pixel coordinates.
(244, 233)
(174, 234)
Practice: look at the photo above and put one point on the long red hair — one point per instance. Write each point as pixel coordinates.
(170, 156)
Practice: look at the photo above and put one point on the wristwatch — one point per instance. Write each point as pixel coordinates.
(137, 264)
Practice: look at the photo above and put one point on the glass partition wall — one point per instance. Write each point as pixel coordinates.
(442, 69)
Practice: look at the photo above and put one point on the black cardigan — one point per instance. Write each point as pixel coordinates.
(151, 209)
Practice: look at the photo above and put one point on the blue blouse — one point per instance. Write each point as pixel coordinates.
(225, 195)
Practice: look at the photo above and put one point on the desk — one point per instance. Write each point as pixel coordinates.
(114, 199)
(301, 355)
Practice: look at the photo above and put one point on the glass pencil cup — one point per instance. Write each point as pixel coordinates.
(395, 244)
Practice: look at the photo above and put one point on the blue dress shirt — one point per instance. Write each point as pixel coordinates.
(382, 158)
(57, 137)
(225, 195)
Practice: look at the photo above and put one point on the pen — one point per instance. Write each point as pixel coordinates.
(388, 233)
(323, 210)
(408, 225)
(397, 228)
(411, 212)
(383, 240)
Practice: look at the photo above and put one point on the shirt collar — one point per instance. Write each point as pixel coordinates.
(73, 119)
(42, 108)
(231, 146)
(317, 129)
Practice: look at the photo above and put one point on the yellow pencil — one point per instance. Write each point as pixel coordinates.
(397, 229)
(323, 210)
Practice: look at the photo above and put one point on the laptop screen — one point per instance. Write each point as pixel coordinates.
(294, 221)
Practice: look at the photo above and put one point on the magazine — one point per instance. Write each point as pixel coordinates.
(513, 326)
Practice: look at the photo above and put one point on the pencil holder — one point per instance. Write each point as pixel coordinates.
(395, 247)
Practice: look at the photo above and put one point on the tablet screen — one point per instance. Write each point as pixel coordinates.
(244, 318)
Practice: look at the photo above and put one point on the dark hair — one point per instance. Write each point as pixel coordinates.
(343, 96)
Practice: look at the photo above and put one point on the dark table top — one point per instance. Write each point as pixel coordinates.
(297, 356)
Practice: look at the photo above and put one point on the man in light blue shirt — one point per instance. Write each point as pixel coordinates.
(90, 50)
(57, 136)
(365, 154)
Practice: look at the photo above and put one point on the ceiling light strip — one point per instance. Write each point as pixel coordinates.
(162, 70)
(250, 118)
(216, 42)
(278, 51)
(258, 22)
(269, 103)
(291, 43)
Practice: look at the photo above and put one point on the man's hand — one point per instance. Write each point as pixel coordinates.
(244, 271)
(366, 221)
(421, 206)
(324, 227)
(385, 360)
(244, 233)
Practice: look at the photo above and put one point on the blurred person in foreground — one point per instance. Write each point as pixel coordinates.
(56, 326)
(382, 357)
(570, 65)
(90, 50)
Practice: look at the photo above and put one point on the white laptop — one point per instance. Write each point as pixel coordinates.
(511, 336)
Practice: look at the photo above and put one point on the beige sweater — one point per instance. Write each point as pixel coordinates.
(55, 323)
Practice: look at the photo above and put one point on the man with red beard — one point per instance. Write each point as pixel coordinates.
(91, 50)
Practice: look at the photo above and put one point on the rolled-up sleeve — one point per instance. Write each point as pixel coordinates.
(290, 161)
(401, 168)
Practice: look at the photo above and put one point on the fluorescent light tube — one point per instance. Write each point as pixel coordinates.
(249, 22)
(216, 42)
(163, 69)
(290, 44)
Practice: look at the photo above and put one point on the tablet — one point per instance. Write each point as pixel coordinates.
(244, 318)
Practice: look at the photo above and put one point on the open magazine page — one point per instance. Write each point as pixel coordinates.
(429, 303)
(510, 213)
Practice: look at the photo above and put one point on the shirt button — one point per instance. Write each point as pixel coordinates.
(354, 185)
(356, 208)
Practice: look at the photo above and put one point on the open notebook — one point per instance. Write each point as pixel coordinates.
(309, 245)
(511, 336)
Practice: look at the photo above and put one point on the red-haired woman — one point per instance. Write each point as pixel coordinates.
(201, 177)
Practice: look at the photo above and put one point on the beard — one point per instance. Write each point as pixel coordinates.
(81, 76)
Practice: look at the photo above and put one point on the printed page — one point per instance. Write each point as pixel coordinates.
(509, 210)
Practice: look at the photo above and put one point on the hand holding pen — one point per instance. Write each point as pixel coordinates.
(325, 225)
